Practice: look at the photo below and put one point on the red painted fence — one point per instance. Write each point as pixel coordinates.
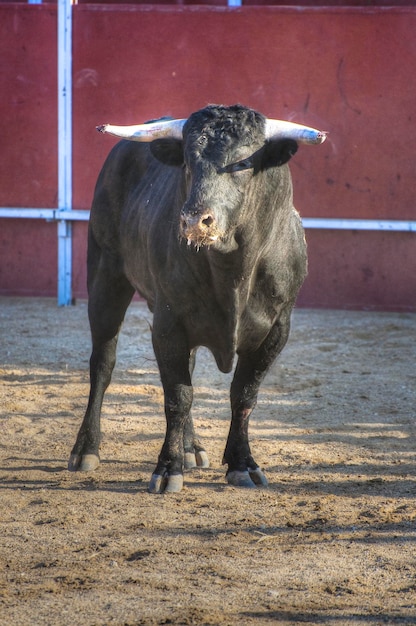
(345, 70)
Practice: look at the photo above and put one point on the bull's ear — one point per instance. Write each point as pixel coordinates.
(278, 153)
(168, 151)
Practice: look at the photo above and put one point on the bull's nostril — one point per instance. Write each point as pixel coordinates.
(208, 221)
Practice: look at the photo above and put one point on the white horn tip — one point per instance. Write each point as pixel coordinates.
(102, 128)
(320, 138)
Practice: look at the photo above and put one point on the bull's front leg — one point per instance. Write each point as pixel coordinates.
(85, 456)
(180, 448)
(251, 369)
(168, 474)
(243, 471)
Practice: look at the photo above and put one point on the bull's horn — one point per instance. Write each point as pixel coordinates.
(278, 129)
(146, 132)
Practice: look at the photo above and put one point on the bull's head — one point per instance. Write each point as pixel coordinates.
(215, 143)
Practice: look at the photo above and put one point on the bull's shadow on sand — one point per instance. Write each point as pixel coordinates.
(124, 476)
(311, 617)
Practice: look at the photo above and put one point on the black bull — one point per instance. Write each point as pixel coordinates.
(205, 230)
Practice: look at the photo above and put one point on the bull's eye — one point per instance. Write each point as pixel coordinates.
(202, 140)
(245, 164)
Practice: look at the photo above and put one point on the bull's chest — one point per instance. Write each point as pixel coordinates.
(212, 324)
(226, 325)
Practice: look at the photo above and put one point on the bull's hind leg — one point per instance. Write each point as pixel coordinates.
(251, 369)
(195, 455)
(109, 297)
(194, 452)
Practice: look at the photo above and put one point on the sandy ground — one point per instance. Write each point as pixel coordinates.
(332, 541)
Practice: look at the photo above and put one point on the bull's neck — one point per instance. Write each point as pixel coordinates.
(230, 273)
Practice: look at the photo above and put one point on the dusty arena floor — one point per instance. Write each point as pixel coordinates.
(332, 541)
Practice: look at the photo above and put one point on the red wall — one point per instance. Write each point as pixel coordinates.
(345, 70)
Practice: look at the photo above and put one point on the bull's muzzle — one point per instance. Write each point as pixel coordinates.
(199, 228)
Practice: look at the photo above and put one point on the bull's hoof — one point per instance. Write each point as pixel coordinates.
(258, 478)
(83, 463)
(196, 459)
(249, 479)
(166, 484)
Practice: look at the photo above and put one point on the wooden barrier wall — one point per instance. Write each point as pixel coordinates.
(345, 70)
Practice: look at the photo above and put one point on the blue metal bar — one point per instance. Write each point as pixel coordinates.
(323, 223)
(64, 150)
(357, 224)
(46, 214)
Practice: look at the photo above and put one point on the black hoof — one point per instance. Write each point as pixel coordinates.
(166, 484)
(249, 479)
(83, 463)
